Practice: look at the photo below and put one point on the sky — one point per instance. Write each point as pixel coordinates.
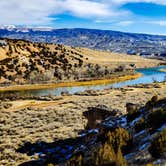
(140, 16)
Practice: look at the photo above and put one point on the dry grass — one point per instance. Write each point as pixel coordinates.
(96, 57)
(35, 125)
(114, 59)
(50, 120)
(2, 54)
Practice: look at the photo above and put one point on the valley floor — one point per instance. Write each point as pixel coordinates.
(61, 117)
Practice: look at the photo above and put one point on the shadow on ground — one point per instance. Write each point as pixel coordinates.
(43, 153)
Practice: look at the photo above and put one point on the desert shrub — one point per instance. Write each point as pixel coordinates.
(2, 72)
(10, 66)
(158, 145)
(104, 155)
(120, 68)
(156, 118)
(77, 159)
(140, 125)
(119, 138)
(132, 65)
(10, 49)
(36, 77)
(19, 72)
(120, 161)
(133, 111)
(80, 62)
(8, 54)
(111, 151)
(50, 164)
(15, 61)
(151, 103)
(10, 78)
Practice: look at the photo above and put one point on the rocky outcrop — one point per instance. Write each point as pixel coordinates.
(143, 132)
(137, 138)
(95, 115)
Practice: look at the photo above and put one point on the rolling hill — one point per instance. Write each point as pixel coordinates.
(28, 62)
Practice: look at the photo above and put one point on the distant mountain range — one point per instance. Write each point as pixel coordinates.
(130, 43)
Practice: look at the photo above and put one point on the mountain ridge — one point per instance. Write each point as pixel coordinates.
(107, 40)
(44, 28)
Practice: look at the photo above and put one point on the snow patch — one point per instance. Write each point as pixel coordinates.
(135, 121)
(140, 133)
(162, 127)
(144, 146)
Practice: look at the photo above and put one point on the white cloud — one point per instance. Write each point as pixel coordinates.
(161, 22)
(26, 11)
(121, 2)
(125, 23)
(40, 12)
(86, 8)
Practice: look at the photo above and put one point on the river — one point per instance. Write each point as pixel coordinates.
(149, 75)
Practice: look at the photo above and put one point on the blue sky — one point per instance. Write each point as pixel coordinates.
(142, 16)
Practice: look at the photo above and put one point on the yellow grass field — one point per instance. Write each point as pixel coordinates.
(114, 59)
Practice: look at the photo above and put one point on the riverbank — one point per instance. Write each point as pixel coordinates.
(115, 98)
(69, 84)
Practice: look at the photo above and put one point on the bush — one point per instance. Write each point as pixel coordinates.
(104, 155)
(76, 160)
(119, 138)
(154, 99)
(111, 151)
(156, 118)
(140, 125)
(36, 77)
(151, 103)
(133, 111)
(158, 145)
